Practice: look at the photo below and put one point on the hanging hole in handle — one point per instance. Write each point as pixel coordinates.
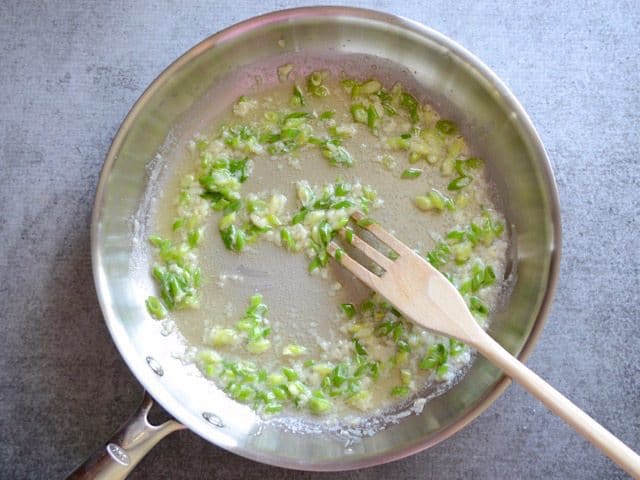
(157, 415)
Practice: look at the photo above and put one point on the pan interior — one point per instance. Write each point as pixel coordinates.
(196, 90)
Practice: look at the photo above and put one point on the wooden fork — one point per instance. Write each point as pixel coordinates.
(423, 295)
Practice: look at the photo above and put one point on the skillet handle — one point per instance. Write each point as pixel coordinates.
(127, 447)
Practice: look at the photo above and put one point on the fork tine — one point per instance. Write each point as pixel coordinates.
(371, 252)
(381, 234)
(367, 277)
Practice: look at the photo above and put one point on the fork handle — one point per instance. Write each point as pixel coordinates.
(610, 445)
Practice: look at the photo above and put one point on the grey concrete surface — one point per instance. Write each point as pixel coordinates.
(70, 71)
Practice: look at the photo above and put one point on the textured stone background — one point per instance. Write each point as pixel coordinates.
(70, 71)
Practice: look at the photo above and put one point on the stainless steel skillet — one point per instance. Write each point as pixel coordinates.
(189, 94)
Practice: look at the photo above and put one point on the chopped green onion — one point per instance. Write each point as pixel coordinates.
(370, 87)
(348, 235)
(434, 200)
(290, 374)
(318, 406)
(280, 392)
(298, 97)
(300, 216)
(343, 204)
(348, 309)
(455, 347)
(208, 356)
(400, 391)
(341, 189)
(322, 204)
(359, 113)
(294, 350)
(399, 143)
(482, 277)
(155, 307)
(385, 100)
(489, 276)
(459, 183)
(477, 306)
(239, 168)
(410, 173)
(462, 166)
(178, 224)
(360, 399)
(295, 119)
(272, 408)
(372, 117)
(462, 252)
(233, 238)
(360, 350)
(242, 393)
(287, 240)
(415, 157)
(350, 85)
(409, 103)
(315, 79)
(315, 86)
(365, 222)
(258, 346)
(275, 379)
(338, 375)
(315, 264)
(442, 370)
(401, 344)
(226, 221)
(223, 337)
(436, 356)
(446, 126)
(474, 162)
(456, 235)
(337, 155)
(325, 231)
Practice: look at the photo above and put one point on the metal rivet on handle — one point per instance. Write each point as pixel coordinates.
(213, 419)
(155, 366)
(118, 454)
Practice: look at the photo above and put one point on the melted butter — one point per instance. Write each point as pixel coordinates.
(303, 308)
